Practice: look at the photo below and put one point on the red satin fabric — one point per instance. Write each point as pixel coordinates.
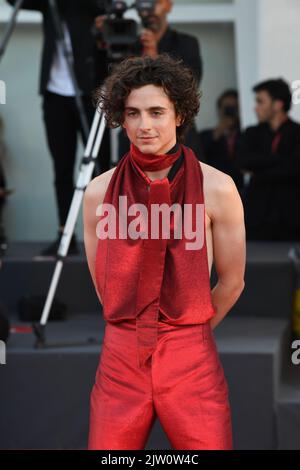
(152, 266)
(183, 384)
(159, 355)
(151, 162)
(181, 276)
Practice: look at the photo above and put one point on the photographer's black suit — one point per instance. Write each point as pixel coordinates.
(182, 46)
(59, 111)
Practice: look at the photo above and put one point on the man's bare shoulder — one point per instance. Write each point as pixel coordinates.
(216, 182)
(215, 179)
(96, 189)
(220, 190)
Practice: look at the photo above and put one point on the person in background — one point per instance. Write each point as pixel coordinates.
(60, 113)
(158, 38)
(220, 144)
(270, 151)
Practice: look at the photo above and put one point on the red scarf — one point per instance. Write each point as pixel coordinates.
(139, 278)
(150, 162)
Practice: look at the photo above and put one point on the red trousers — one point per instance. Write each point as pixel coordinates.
(182, 383)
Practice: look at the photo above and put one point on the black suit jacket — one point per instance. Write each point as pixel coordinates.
(79, 16)
(216, 154)
(274, 191)
(182, 46)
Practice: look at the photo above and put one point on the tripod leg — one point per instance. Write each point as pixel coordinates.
(10, 27)
(100, 167)
(85, 173)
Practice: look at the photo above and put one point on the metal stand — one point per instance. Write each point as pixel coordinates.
(10, 27)
(84, 177)
(88, 162)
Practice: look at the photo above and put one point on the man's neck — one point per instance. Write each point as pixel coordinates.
(277, 121)
(160, 174)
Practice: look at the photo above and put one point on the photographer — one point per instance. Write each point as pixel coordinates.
(60, 113)
(220, 144)
(158, 38)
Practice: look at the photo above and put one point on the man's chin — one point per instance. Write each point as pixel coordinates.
(147, 147)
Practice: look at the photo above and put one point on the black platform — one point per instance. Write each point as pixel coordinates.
(270, 279)
(44, 394)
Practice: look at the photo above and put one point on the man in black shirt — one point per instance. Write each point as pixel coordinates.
(220, 143)
(159, 37)
(270, 151)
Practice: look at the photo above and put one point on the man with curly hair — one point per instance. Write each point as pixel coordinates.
(159, 356)
(157, 38)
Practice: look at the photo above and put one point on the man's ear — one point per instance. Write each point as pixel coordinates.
(278, 105)
(123, 129)
(179, 121)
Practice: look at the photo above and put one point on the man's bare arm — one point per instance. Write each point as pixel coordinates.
(93, 196)
(229, 246)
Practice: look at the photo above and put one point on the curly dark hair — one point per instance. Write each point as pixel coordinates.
(177, 80)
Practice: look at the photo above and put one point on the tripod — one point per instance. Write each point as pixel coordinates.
(85, 174)
(10, 27)
(88, 162)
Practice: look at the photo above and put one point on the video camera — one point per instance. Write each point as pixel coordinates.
(119, 33)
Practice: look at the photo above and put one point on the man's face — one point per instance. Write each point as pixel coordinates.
(157, 18)
(266, 107)
(150, 120)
